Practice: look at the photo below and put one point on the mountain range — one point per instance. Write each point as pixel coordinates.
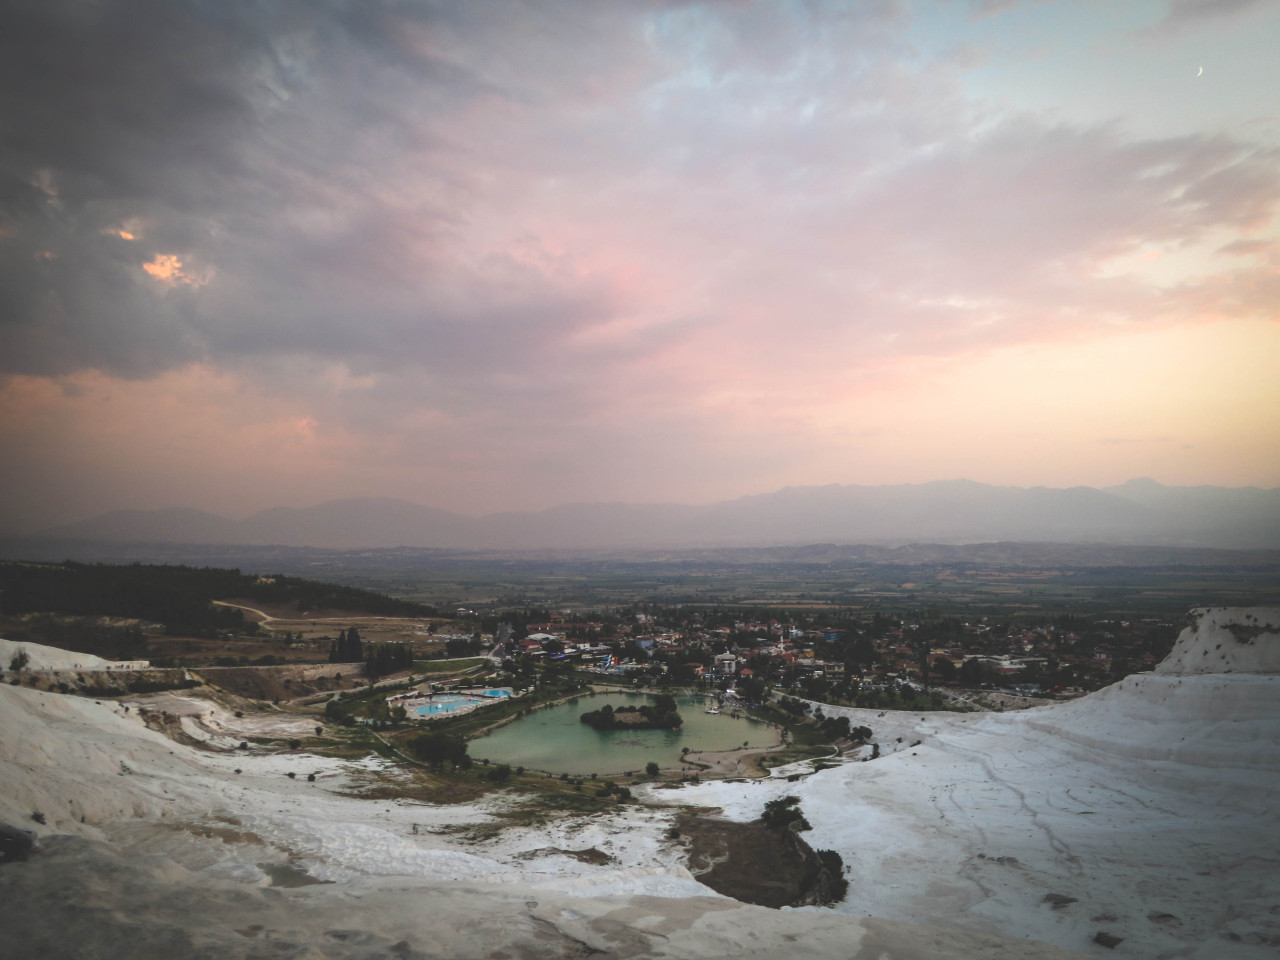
(957, 511)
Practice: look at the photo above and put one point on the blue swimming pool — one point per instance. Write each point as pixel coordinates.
(443, 703)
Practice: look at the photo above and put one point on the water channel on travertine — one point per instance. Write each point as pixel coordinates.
(553, 738)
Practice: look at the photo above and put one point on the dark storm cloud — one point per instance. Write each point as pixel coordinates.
(270, 149)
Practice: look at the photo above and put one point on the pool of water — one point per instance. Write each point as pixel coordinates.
(443, 703)
(554, 739)
(437, 707)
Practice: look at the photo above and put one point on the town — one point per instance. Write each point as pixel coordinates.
(883, 661)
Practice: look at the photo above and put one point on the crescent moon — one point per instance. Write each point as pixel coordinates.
(1200, 71)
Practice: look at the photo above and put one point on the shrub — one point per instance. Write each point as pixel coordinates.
(784, 814)
(311, 778)
(290, 774)
(294, 744)
(834, 865)
(37, 816)
(652, 768)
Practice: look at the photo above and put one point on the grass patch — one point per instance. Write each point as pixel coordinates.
(800, 734)
(415, 783)
(784, 755)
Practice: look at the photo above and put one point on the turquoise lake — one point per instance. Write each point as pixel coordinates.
(555, 740)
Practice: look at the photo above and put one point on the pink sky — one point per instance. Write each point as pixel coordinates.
(506, 256)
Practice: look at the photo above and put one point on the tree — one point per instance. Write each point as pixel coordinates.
(784, 814)
(437, 748)
(652, 768)
(348, 648)
(18, 662)
(335, 711)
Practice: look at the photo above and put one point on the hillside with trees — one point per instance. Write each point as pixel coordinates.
(72, 605)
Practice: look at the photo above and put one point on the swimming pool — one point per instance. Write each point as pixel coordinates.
(443, 703)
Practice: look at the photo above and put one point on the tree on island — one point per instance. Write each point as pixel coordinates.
(661, 715)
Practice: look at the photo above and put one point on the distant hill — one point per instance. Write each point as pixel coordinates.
(959, 511)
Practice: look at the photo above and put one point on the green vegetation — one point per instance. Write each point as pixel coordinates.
(179, 597)
(784, 814)
(660, 715)
(437, 748)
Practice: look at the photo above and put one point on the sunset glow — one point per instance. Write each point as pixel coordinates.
(490, 258)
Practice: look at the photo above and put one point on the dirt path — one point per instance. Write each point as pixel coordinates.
(266, 617)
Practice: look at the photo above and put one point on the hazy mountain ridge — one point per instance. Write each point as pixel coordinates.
(961, 511)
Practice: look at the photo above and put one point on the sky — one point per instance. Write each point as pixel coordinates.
(507, 255)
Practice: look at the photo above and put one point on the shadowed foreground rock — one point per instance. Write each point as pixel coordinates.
(79, 899)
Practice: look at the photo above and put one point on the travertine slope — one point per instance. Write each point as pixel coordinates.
(1145, 812)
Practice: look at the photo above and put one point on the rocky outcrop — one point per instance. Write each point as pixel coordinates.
(1226, 640)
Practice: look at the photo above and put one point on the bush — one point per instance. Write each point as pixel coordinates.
(37, 816)
(500, 773)
(652, 768)
(294, 744)
(784, 814)
(311, 778)
(834, 865)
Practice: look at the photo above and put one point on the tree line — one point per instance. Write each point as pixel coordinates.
(178, 596)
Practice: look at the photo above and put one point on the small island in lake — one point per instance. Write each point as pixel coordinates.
(661, 715)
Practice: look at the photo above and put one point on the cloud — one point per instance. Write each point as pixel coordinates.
(1185, 15)
(574, 234)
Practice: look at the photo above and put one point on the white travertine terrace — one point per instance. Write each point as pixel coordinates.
(1147, 811)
